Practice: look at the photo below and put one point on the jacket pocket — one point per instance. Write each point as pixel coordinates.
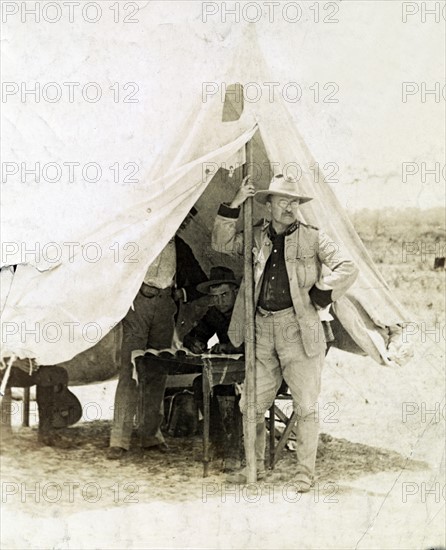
(307, 269)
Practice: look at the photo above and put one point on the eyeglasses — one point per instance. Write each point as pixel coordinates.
(284, 204)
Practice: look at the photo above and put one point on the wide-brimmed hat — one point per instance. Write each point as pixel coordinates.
(283, 186)
(219, 275)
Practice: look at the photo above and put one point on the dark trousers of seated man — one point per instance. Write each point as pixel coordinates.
(225, 419)
(149, 325)
(49, 381)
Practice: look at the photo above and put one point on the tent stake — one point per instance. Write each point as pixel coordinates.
(250, 370)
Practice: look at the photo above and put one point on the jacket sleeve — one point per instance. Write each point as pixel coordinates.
(189, 271)
(340, 276)
(204, 330)
(225, 238)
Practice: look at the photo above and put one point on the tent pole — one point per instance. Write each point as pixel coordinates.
(6, 378)
(250, 370)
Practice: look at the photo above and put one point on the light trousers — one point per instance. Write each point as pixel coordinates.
(149, 325)
(280, 356)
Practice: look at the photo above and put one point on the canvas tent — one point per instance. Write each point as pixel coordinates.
(54, 310)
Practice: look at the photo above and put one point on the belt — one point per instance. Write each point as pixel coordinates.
(153, 291)
(267, 313)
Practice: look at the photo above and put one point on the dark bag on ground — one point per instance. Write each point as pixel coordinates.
(181, 414)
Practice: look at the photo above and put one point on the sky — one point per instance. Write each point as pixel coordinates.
(350, 61)
(382, 147)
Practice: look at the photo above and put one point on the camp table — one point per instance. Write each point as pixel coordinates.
(216, 370)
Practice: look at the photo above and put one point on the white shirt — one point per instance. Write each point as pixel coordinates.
(161, 272)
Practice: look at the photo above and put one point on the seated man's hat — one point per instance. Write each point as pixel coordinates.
(219, 275)
(283, 186)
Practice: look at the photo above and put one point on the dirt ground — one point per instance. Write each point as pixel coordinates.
(380, 484)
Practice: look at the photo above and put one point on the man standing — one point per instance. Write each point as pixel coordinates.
(150, 324)
(289, 289)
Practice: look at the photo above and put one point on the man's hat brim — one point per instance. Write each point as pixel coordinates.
(261, 196)
(205, 287)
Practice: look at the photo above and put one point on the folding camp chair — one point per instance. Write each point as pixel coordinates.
(275, 450)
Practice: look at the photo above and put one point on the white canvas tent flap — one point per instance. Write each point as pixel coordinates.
(52, 315)
(55, 310)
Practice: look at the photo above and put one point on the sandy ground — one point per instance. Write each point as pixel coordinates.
(380, 484)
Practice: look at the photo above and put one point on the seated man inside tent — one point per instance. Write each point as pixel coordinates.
(225, 420)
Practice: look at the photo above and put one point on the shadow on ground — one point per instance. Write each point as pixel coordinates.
(338, 460)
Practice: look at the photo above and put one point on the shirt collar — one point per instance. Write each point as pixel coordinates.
(272, 232)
